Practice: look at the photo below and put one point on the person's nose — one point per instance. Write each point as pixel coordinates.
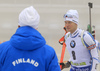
(66, 25)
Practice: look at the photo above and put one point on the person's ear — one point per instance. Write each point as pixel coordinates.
(18, 26)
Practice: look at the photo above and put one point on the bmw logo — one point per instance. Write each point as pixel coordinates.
(72, 43)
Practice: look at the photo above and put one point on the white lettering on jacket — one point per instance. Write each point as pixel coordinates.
(22, 60)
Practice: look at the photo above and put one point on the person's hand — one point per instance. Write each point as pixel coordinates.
(65, 64)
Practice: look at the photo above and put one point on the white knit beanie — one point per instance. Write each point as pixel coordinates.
(29, 17)
(72, 15)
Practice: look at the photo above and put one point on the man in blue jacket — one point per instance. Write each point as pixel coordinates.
(27, 49)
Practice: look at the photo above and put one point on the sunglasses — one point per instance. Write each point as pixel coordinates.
(68, 16)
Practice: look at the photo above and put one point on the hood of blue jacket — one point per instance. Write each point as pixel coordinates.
(27, 38)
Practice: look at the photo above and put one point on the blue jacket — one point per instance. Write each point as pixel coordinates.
(27, 51)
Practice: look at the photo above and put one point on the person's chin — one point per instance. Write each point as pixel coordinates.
(68, 30)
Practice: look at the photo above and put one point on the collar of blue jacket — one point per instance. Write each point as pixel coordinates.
(27, 38)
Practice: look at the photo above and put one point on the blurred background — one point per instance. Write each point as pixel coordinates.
(51, 18)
